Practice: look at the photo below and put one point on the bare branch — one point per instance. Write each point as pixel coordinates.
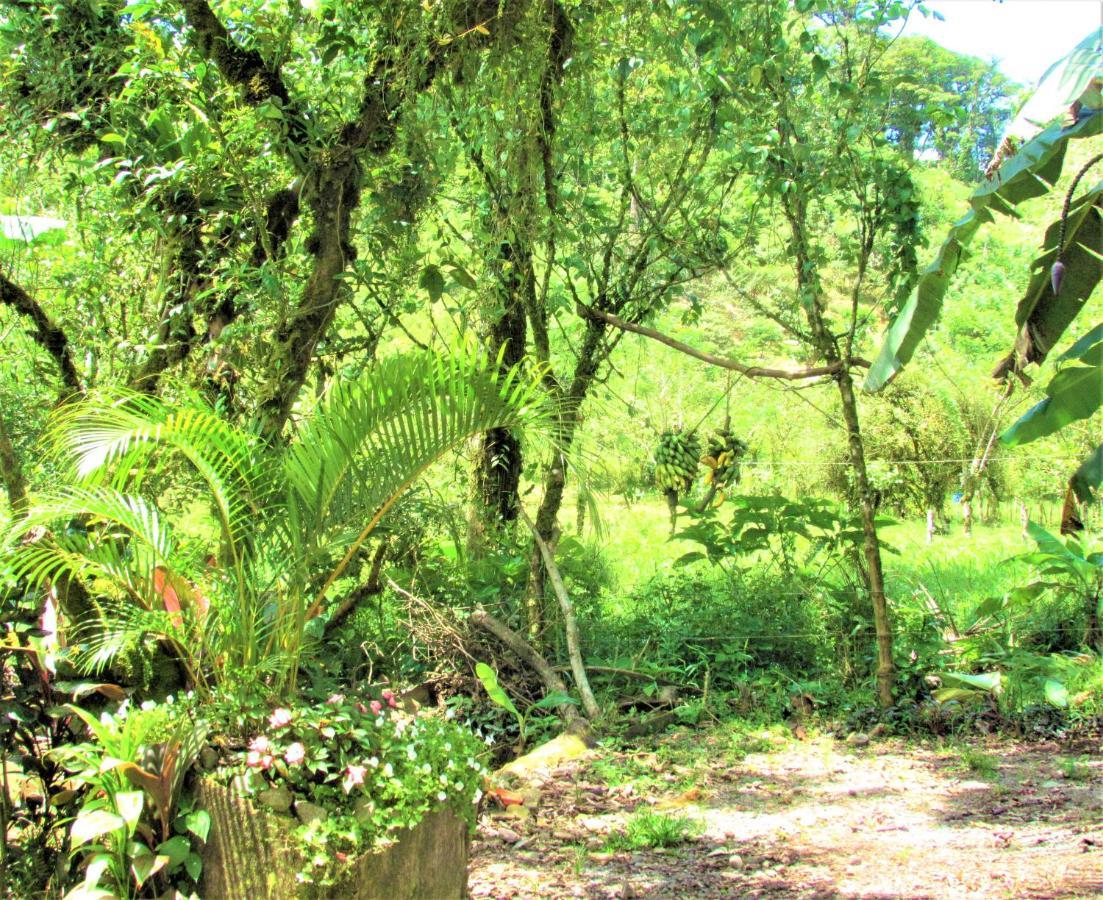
(721, 361)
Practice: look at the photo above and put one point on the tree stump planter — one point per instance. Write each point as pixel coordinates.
(251, 854)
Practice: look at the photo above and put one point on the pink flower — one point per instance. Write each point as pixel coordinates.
(280, 718)
(354, 776)
(335, 700)
(361, 707)
(376, 707)
(260, 744)
(256, 760)
(389, 697)
(295, 754)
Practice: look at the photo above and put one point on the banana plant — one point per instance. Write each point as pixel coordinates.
(285, 522)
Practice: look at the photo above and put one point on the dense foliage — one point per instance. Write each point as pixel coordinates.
(378, 375)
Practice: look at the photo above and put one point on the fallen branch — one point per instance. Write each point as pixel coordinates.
(552, 682)
(723, 361)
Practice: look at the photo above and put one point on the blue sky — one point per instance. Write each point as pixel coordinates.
(1026, 36)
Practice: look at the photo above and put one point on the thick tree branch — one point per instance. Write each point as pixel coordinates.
(552, 682)
(721, 361)
(46, 334)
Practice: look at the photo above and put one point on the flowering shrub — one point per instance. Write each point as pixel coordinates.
(372, 767)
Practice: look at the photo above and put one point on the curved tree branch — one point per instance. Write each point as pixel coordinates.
(46, 334)
(721, 361)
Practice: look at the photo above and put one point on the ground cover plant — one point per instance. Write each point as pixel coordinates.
(659, 440)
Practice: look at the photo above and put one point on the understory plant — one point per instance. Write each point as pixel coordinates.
(371, 767)
(245, 591)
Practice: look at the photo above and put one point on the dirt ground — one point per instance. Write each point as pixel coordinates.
(807, 818)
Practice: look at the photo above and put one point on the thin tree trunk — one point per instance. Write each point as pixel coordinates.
(570, 624)
(547, 516)
(871, 546)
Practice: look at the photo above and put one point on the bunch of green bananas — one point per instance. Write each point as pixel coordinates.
(676, 460)
(722, 458)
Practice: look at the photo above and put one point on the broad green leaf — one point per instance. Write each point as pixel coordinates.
(946, 695)
(433, 282)
(193, 865)
(1031, 172)
(1043, 316)
(129, 804)
(1089, 476)
(1056, 693)
(985, 681)
(1063, 83)
(489, 678)
(1074, 394)
(94, 824)
(554, 699)
(198, 822)
(176, 849)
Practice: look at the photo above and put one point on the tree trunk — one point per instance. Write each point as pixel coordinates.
(871, 544)
(12, 472)
(499, 461)
(547, 516)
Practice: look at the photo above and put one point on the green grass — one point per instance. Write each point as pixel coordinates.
(647, 829)
(978, 762)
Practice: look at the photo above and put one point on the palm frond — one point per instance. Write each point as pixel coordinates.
(374, 437)
(118, 437)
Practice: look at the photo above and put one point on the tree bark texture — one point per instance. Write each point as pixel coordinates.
(45, 333)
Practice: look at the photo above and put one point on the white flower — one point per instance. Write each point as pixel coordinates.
(478, 795)
(426, 768)
(442, 796)
(451, 714)
(148, 705)
(490, 740)
(388, 770)
(374, 762)
(444, 780)
(411, 754)
(447, 748)
(451, 765)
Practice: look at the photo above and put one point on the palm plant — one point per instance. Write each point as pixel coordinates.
(287, 521)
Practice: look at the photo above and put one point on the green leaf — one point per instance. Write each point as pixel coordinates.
(1089, 476)
(193, 865)
(489, 678)
(946, 695)
(1043, 316)
(550, 701)
(93, 824)
(433, 282)
(1074, 394)
(1031, 172)
(985, 681)
(129, 805)
(463, 278)
(176, 849)
(1056, 693)
(198, 822)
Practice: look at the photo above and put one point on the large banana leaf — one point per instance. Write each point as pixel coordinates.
(1042, 315)
(1074, 393)
(1029, 173)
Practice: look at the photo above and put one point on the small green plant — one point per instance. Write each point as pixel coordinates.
(979, 762)
(580, 856)
(1074, 769)
(496, 692)
(647, 829)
